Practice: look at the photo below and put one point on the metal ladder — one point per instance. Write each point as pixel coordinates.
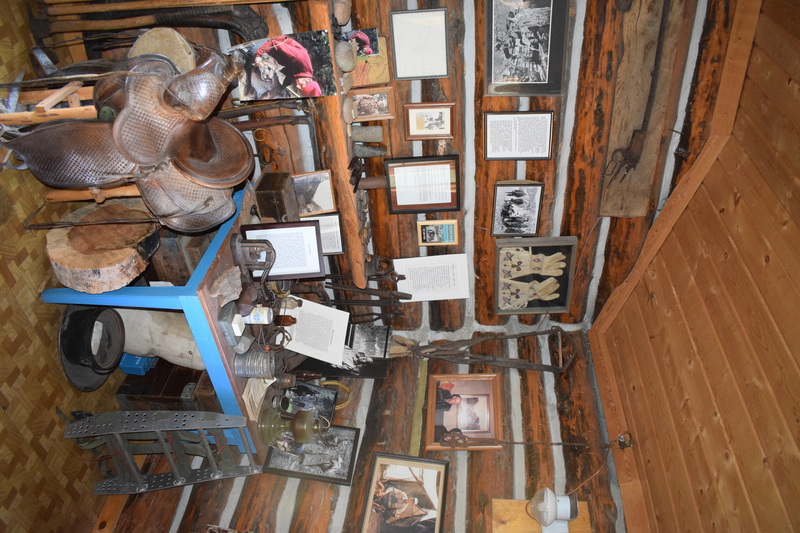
(177, 435)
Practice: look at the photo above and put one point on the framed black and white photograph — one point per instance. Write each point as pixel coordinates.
(417, 34)
(297, 65)
(329, 457)
(525, 47)
(423, 184)
(437, 232)
(517, 204)
(314, 193)
(321, 401)
(330, 229)
(534, 276)
(405, 494)
(370, 339)
(518, 135)
(428, 121)
(372, 103)
(298, 249)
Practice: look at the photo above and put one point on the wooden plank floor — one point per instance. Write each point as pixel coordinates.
(266, 500)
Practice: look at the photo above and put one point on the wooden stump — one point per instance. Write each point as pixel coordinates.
(102, 257)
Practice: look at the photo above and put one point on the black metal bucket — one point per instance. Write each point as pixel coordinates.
(90, 344)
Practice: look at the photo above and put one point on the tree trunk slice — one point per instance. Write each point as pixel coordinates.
(105, 257)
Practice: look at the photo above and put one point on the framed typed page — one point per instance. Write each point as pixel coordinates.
(422, 184)
(418, 34)
(298, 249)
(518, 135)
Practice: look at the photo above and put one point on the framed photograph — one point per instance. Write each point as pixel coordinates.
(518, 135)
(421, 33)
(534, 276)
(405, 494)
(525, 47)
(517, 204)
(330, 229)
(298, 248)
(314, 193)
(297, 65)
(437, 232)
(366, 40)
(329, 457)
(372, 103)
(428, 121)
(423, 184)
(468, 404)
(308, 397)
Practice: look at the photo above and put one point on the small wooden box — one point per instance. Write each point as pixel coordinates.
(275, 197)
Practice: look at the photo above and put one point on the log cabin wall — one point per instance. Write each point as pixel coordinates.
(697, 352)
(593, 113)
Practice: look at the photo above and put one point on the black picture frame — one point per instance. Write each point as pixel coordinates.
(534, 276)
(516, 208)
(329, 457)
(280, 233)
(423, 184)
(525, 47)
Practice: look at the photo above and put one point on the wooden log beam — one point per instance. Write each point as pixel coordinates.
(331, 134)
(602, 47)
(27, 118)
(545, 171)
(448, 315)
(486, 174)
(705, 85)
(582, 424)
(539, 462)
(489, 470)
(393, 236)
(81, 7)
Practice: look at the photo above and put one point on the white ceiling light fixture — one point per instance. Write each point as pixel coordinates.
(546, 507)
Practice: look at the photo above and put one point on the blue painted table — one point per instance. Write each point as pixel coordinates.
(199, 306)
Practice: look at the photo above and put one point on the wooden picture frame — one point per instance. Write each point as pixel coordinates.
(330, 229)
(372, 103)
(420, 482)
(286, 236)
(423, 184)
(437, 232)
(314, 193)
(516, 208)
(421, 33)
(534, 276)
(518, 135)
(468, 404)
(333, 454)
(525, 47)
(428, 120)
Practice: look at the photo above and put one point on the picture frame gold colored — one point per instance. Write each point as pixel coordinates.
(432, 120)
(466, 404)
(372, 103)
